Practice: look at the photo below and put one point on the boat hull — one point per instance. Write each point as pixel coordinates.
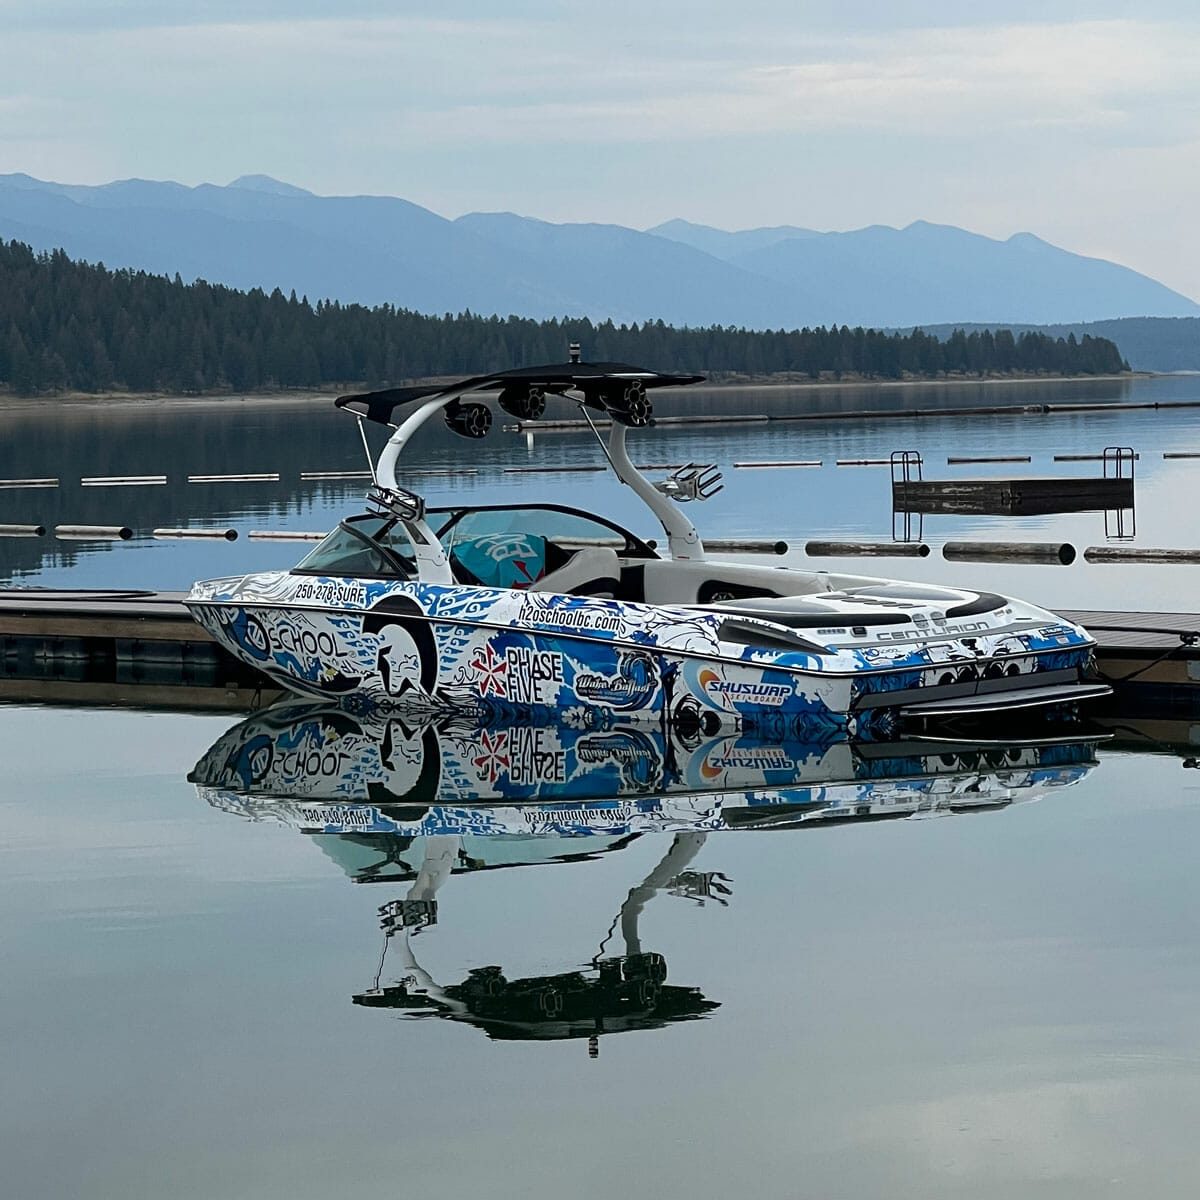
(496, 654)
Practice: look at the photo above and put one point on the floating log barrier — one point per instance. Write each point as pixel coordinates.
(552, 470)
(745, 546)
(228, 535)
(123, 481)
(721, 545)
(991, 458)
(1132, 554)
(571, 542)
(93, 533)
(1060, 553)
(286, 535)
(1011, 497)
(803, 462)
(28, 483)
(570, 425)
(867, 549)
(265, 477)
(982, 410)
(864, 462)
(1181, 454)
(22, 531)
(874, 414)
(305, 475)
(1085, 457)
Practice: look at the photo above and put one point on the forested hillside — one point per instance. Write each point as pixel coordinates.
(66, 325)
(1147, 343)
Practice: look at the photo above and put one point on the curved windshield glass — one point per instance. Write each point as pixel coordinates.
(368, 547)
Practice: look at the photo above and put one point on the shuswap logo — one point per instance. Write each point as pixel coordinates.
(729, 693)
(711, 770)
(729, 756)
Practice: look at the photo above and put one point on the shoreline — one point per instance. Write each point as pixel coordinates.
(726, 383)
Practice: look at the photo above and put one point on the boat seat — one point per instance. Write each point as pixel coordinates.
(502, 560)
(590, 571)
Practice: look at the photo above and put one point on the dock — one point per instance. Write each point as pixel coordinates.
(128, 648)
(142, 649)
(1020, 497)
(1152, 659)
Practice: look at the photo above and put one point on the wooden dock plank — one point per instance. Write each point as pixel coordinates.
(1149, 631)
(144, 616)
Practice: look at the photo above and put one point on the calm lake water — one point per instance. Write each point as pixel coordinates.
(992, 1004)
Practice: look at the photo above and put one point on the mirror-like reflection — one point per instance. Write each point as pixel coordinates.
(392, 803)
(926, 1006)
(613, 993)
(327, 768)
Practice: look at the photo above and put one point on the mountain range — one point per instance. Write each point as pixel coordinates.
(258, 232)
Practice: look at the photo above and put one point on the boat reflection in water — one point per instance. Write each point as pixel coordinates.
(397, 804)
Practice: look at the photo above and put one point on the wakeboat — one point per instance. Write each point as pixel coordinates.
(549, 613)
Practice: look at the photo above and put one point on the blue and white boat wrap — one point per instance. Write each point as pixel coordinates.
(324, 770)
(545, 612)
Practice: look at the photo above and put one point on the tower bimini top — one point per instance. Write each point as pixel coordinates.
(615, 388)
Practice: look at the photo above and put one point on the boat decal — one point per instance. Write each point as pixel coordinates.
(332, 591)
(632, 687)
(729, 693)
(323, 770)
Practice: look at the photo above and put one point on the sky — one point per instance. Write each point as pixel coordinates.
(1078, 122)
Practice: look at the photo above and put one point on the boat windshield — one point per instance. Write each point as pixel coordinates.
(365, 547)
(496, 547)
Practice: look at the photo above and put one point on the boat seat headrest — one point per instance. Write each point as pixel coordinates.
(590, 571)
(502, 560)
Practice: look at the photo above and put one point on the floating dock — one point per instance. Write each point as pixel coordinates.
(1152, 660)
(1021, 497)
(137, 648)
(143, 649)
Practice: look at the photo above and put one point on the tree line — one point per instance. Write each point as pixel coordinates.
(74, 326)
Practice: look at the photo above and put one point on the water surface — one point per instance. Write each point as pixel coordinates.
(990, 1005)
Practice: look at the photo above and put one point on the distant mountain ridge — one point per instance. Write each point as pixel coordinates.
(259, 232)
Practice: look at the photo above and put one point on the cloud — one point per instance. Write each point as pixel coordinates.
(553, 109)
(1096, 78)
(433, 81)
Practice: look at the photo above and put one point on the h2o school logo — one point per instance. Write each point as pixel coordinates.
(732, 695)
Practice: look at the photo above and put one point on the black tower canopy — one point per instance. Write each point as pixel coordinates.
(605, 386)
